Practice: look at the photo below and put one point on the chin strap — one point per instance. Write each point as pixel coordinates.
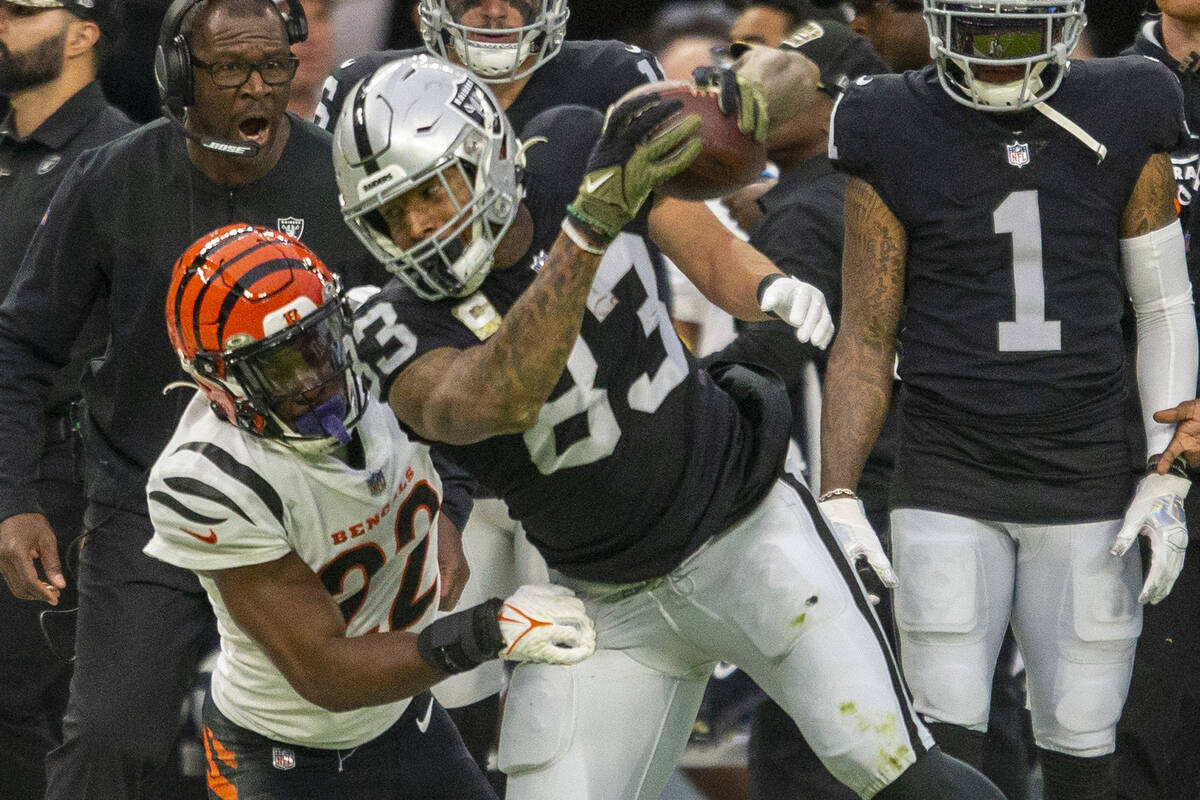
(1070, 127)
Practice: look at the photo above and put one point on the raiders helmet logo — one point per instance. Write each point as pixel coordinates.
(292, 226)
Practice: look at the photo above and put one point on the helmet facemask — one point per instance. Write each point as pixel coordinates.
(451, 135)
(1004, 55)
(496, 55)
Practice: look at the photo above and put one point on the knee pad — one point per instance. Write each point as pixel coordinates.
(1091, 677)
(538, 717)
(1085, 714)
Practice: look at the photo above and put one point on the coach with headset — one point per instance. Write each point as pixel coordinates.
(227, 152)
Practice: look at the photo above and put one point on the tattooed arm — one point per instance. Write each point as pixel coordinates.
(1151, 206)
(858, 380)
(463, 396)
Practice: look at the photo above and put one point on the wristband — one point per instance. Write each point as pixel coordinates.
(765, 284)
(572, 229)
(463, 640)
(1179, 466)
(832, 493)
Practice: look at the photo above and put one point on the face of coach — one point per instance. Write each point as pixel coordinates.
(242, 71)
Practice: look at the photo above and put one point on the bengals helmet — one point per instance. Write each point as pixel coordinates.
(261, 325)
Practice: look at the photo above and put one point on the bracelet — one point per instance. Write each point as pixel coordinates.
(572, 229)
(1179, 466)
(832, 493)
(765, 283)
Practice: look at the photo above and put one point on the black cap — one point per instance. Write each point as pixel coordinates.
(105, 13)
(841, 55)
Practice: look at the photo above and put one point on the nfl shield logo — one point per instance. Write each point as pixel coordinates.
(1018, 154)
(292, 226)
(282, 758)
(376, 482)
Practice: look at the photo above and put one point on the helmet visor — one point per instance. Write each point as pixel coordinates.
(999, 39)
(301, 366)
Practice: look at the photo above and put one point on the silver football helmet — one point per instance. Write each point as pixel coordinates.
(417, 120)
(1002, 55)
(478, 48)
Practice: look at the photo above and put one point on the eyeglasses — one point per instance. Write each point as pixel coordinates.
(232, 74)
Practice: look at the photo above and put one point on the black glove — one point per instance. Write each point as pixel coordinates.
(738, 95)
(631, 157)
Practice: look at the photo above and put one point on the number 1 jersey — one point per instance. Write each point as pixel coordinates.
(1011, 348)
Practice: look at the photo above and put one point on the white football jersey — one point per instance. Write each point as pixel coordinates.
(221, 498)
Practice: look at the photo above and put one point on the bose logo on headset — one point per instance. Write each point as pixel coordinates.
(173, 70)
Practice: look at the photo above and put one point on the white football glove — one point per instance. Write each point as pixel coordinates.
(547, 624)
(1156, 512)
(848, 520)
(802, 306)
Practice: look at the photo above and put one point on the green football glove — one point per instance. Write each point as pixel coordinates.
(738, 95)
(631, 158)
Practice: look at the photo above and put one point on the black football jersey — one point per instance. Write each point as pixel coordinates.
(592, 74)
(1011, 337)
(637, 457)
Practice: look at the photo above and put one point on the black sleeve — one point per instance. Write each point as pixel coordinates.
(50, 299)
(554, 167)
(458, 488)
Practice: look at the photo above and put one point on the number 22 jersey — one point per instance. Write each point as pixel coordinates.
(221, 498)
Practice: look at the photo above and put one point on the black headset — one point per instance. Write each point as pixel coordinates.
(173, 69)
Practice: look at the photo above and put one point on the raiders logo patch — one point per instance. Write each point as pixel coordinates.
(292, 226)
(479, 315)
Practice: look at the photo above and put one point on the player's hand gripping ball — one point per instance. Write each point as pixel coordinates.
(732, 127)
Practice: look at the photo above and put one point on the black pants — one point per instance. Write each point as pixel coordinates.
(1158, 737)
(33, 679)
(140, 626)
(403, 763)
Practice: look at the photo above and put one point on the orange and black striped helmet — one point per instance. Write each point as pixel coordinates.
(262, 326)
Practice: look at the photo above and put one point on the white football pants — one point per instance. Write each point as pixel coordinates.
(1073, 609)
(501, 559)
(774, 595)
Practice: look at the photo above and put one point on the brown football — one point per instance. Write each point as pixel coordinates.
(730, 159)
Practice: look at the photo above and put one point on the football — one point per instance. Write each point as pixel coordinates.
(730, 159)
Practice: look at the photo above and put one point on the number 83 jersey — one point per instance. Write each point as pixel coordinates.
(637, 456)
(1014, 291)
